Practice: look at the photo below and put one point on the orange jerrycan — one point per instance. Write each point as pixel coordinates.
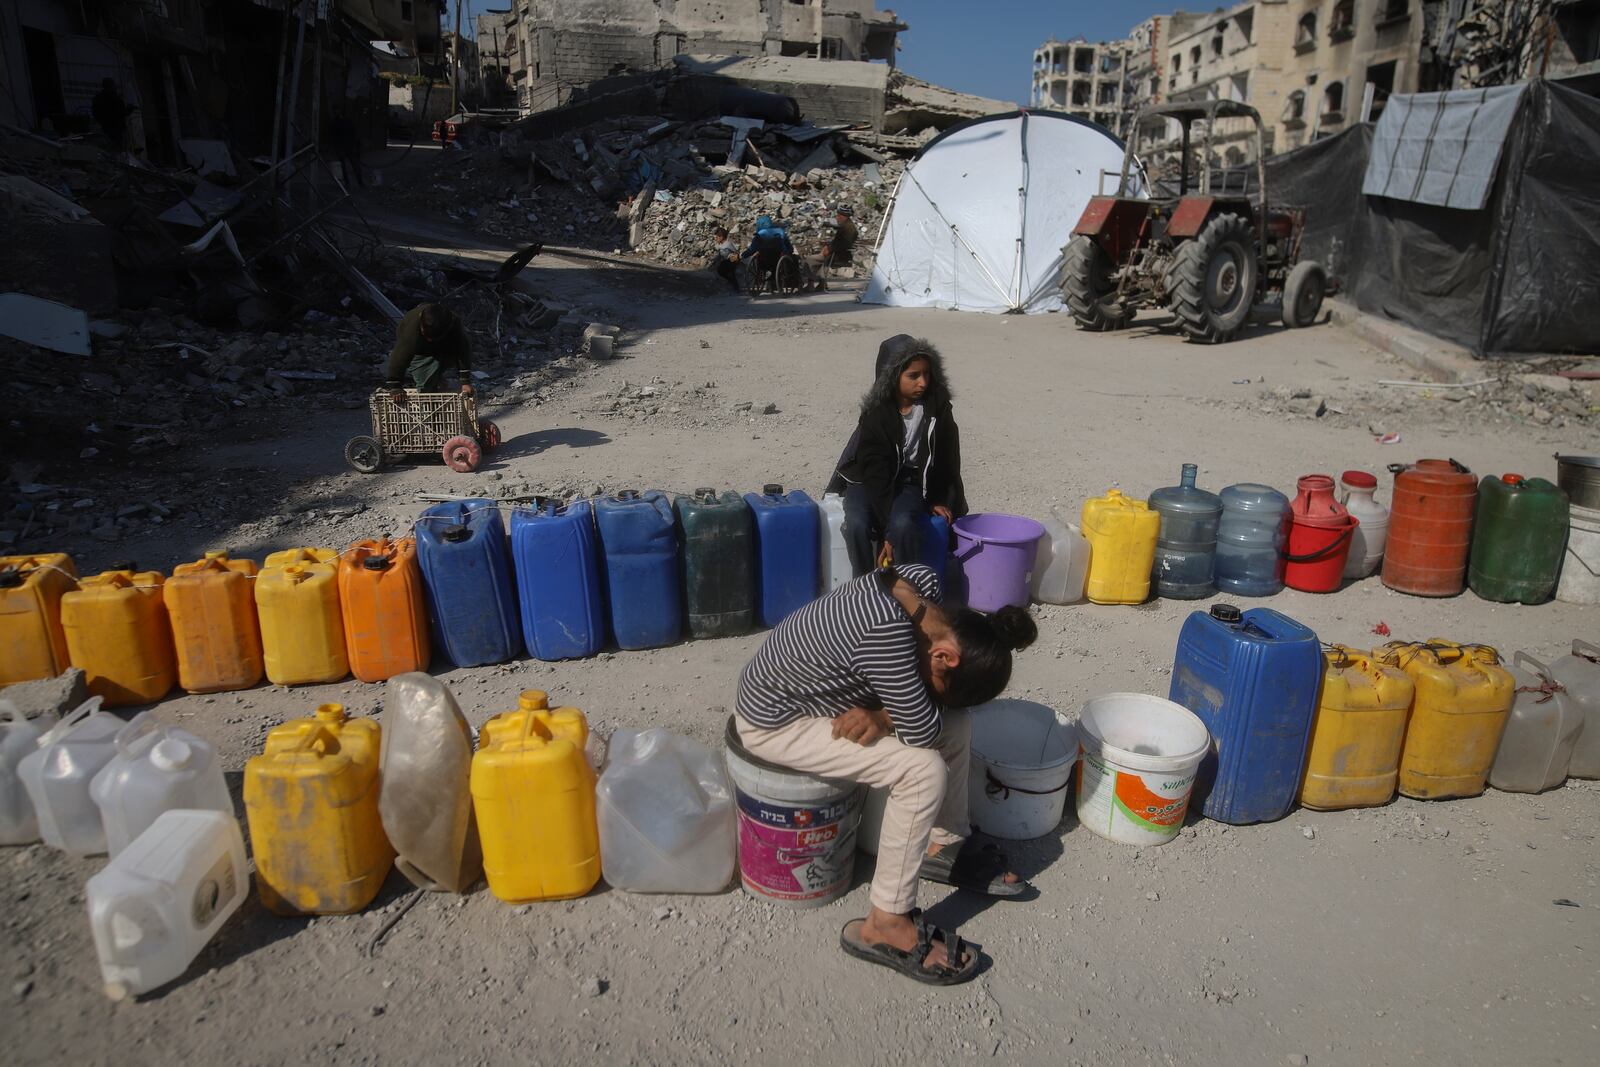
(311, 800)
(1357, 734)
(533, 791)
(302, 632)
(385, 619)
(32, 643)
(117, 631)
(1463, 701)
(213, 609)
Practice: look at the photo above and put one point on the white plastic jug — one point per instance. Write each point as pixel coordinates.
(833, 564)
(162, 898)
(1371, 537)
(425, 803)
(1580, 673)
(1580, 567)
(666, 815)
(57, 776)
(1536, 748)
(157, 768)
(1062, 563)
(19, 735)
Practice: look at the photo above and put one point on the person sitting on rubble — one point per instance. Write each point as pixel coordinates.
(111, 111)
(838, 251)
(770, 244)
(727, 258)
(430, 341)
(869, 683)
(904, 459)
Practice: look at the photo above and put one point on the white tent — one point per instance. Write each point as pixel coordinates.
(980, 216)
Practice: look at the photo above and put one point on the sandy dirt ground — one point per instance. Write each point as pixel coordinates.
(1415, 933)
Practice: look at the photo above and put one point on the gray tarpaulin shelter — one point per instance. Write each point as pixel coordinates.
(1521, 272)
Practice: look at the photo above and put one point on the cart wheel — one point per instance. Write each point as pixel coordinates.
(364, 454)
(488, 435)
(462, 454)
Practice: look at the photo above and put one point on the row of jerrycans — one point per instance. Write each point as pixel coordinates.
(1439, 720)
(310, 615)
(332, 801)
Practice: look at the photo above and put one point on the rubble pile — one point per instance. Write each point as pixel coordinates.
(1516, 394)
(657, 187)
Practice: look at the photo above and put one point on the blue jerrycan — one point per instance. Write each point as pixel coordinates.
(472, 603)
(639, 569)
(786, 551)
(557, 561)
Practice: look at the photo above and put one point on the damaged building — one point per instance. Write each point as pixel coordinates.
(557, 46)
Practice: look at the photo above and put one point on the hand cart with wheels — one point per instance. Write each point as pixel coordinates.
(425, 424)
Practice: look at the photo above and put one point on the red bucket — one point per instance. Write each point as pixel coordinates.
(1320, 533)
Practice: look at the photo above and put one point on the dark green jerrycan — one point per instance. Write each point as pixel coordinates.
(1519, 536)
(718, 563)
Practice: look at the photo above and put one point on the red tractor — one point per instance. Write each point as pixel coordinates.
(1202, 246)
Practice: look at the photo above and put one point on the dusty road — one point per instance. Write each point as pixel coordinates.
(1416, 933)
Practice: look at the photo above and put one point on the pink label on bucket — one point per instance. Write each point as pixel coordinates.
(800, 854)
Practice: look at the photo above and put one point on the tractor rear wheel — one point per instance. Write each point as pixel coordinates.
(1303, 293)
(1086, 286)
(1214, 280)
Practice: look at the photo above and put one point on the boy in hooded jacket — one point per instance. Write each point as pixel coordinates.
(904, 459)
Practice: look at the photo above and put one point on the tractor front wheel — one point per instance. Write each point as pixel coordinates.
(1214, 280)
(1303, 293)
(1087, 288)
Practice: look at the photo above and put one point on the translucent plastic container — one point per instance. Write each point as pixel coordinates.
(1579, 671)
(833, 555)
(157, 768)
(1357, 490)
(58, 773)
(157, 904)
(666, 815)
(1186, 551)
(426, 763)
(1543, 729)
(19, 736)
(1062, 563)
(1250, 540)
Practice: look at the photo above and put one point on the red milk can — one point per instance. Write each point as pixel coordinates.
(1320, 532)
(1430, 528)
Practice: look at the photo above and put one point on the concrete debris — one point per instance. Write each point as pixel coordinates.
(44, 323)
(60, 695)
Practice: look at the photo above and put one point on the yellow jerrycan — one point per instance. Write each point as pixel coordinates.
(302, 629)
(32, 643)
(311, 801)
(1358, 731)
(1463, 701)
(213, 609)
(1122, 535)
(533, 791)
(117, 631)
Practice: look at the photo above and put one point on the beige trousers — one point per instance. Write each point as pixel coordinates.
(927, 790)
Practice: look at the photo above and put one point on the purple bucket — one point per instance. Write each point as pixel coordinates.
(996, 553)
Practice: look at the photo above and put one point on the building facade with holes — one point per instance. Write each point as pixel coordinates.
(1083, 79)
(1345, 58)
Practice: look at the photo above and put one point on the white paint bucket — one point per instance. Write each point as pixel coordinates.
(1022, 757)
(1139, 758)
(1580, 567)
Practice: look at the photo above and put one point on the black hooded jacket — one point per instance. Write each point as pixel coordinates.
(874, 457)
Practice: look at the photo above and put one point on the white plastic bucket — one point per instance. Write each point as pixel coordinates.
(1139, 758)
(797, 833)
(1022, 757)
(1580, 567)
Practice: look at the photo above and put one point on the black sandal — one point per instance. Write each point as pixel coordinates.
(913, 964)
(973, 865)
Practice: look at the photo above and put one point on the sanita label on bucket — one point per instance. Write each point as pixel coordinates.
(796, 854)
(1152, 806)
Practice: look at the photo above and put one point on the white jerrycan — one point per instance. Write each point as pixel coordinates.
(160, 900)
(157, 768)
(19, 736)
(57, 776)
(834, 562)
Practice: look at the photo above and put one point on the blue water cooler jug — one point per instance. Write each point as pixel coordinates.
(639, 569)
(935, 544)
(1252, 677)
(786, 551)
(472, 603)
(558, 579)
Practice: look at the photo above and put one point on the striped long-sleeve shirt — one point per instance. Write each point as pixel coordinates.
(853, 647)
